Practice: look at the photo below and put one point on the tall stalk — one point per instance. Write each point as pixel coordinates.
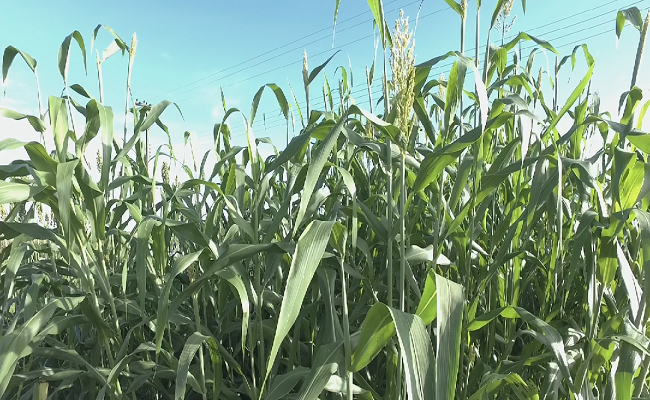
(639, 51)
(134, 45)
(463, 19)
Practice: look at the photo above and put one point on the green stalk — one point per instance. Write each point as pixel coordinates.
(555, 94)
(305, 79)
(463, 18)
(197, 321)
(134, 45)
(346, 329)
(100, 80)
(639, 51)
(389, 219)
(402, 247)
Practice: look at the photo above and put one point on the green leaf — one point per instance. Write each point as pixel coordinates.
(380, 324)
(60, 127)
(376, 6)
(235, 280)
(8, 58)
(450, 317)
(180, 265)
(15, 345)
(336, 14)
(64, 175)
(456, 7)
(435, 162)
(283, 384)
(64, 54)
(306, 258)
(325, 364)
(428, 306)
(314, 73)
(152, 116)
(454, 91)
(524, 36)
(633, 15)
(11, 144)
(319, 158)
(549, 336)
(35, 122)
(11, 192)
(571, 100)
(642, 141)
(279, 95)
(191, 346)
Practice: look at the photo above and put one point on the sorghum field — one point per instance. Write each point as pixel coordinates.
(442, 244)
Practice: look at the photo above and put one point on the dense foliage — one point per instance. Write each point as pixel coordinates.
(458, 245)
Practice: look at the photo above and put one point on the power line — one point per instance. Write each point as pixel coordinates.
(318, 101)
(273, 57)
(265, 53)
(270, 123)
(583, 40)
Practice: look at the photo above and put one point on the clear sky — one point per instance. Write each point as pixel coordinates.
(188, 50)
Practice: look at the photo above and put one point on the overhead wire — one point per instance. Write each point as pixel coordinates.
(213, 90)
(317, 101)
(576, 42)
(270, 123)
(265, 53)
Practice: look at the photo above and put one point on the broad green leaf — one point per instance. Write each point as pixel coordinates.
(428, 306)
(8, 58)
(549, 336)
(449, 322)
(633, 15)
(191, 346)
(64, 177)
(435, 162)
(60, 127)
(381, 323)
(283, 384)
(454, 91)
(319, 158)
(180, 265)
(457, 7)
(524, 36)
(314, 73)
(307, 257)
(152, 116)
(376, 6)
(11, 144)
(15, 345)
(237, 283)
(324, 366)
(35, 122)
(16, 192)
(279, 95)
(64, 54)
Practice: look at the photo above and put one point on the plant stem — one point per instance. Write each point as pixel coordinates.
(639, 51)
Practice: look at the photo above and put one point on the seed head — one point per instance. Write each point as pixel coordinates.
(507, 7)
(441, 86)
(134, 45)
(99, 161)
(402, 64)
(165, 172)
(305, 69)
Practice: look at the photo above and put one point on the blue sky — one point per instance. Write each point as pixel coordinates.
(188, 50)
